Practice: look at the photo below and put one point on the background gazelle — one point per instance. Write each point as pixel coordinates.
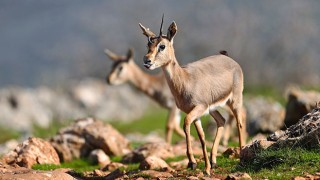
(125, 70)
(198, 87)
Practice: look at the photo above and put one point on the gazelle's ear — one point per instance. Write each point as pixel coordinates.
(146, 31)
(172, 30)
(130, 54)
(111, 55)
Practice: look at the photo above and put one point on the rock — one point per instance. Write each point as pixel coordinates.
(8, 146)
(161, 150)
(9, 172)
(85, 135)
(32, 151)
(105, 137)
(116, 174)
(307, 176)
(70, 142)
(299, 103)
(95, 173)
(238, 176)
(152, 137)
(305, 134)
(98, 156)
(250, 151)
(21, 108)
(154, 163)
(113, 166)
(102, 101)
(179, 164)
(156, 174)
(257, 137)
(57, 174)
(192, 178)
(180, 148)
(98, 172)
(232, 152)
(263, 115)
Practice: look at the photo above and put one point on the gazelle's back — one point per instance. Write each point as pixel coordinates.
(216, 76)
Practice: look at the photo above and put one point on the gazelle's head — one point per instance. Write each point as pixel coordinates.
(119, 73)
(160, 48)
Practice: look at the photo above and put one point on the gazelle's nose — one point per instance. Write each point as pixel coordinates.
(147, 61)
(108, 80)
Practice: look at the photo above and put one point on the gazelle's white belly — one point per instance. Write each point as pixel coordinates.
(220, 103)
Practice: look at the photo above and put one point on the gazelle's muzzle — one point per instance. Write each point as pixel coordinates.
(108, 80)
(147, 62)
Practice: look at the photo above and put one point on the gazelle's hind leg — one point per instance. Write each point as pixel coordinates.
(201, 135)
(237, 114)
(244, 122)
(195, 113)
(227, 129)
(237, 108)
(220, 123)
(235, 105)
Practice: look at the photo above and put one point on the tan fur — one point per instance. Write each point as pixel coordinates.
(199, 87)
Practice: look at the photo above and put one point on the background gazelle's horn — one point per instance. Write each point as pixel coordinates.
(161, 26)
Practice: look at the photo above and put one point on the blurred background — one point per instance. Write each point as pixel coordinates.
(51, 42)
(52, 64)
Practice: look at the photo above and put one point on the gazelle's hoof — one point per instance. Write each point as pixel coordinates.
(213, 165)
(207, 172)
(192, 165)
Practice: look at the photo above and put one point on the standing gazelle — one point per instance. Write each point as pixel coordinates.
(198, 88)
(124, 70)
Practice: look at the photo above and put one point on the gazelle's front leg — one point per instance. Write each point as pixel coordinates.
(201, 135)
(173, 124)
(220, 123)
(191, 116)
(177, 126)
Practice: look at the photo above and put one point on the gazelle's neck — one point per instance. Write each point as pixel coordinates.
(140, 79)
(174, 74)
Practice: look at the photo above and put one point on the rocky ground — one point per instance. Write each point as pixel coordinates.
(99, 143)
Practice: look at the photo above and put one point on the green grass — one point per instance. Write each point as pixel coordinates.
(151, 121)
(265, 91)
(155, 120)
(269, 164)
(78, 165)
(50, 131)
(313, 88)
(115, 158)
(282, 163)
(7, 134)
(175, 159)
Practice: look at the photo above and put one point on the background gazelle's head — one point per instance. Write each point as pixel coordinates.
(119, 73)
(160, 48)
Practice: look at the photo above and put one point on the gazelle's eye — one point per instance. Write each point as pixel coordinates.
(162, 47)
(120, 68)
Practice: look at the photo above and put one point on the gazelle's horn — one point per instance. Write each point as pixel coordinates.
(149, 40)
(160, 34)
